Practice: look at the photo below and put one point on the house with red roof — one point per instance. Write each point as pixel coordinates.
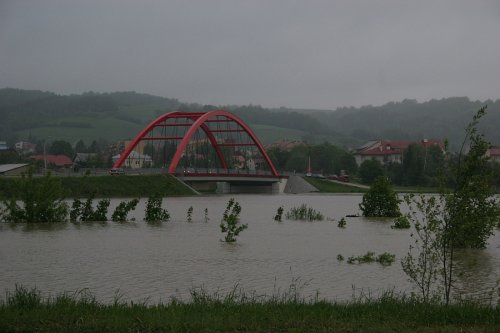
(386, 151)
(58, 161)
(285, 144)
(494, 154)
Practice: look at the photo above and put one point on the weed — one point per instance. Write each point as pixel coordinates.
(206, 218)
(304, 213)
(385, 258)
(279, 214)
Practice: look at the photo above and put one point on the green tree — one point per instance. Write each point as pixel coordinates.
(121, 211)
(380, 200)
(154, 211)
(463, 217)
(61, 147)
(230, 223)
(80, 147)
(369, 170)
(413, 165)
(42, 201)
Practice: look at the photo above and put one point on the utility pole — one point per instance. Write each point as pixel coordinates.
(45, 156)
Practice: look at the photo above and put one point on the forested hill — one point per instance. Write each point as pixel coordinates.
(444, 119)
(120, 115)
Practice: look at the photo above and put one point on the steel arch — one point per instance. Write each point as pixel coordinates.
(199, 121)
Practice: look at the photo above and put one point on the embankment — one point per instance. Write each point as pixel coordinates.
(107, 186)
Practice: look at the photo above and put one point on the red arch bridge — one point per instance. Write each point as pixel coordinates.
(203, 148)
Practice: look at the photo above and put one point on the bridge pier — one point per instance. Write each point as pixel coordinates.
(248, 187)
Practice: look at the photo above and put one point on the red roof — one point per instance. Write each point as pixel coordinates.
(386, 147)
(57, 160)
(494, 151)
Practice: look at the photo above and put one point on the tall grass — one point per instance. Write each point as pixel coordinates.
(304, 213)
(25, 310)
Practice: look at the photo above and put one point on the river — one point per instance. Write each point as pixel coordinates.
(142, 262)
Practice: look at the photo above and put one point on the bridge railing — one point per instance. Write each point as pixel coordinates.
(197, 172)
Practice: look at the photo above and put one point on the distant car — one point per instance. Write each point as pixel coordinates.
(344, 178)
(333, 177)
(116, 171)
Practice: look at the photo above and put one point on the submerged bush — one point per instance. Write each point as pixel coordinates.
(154, 212)
(121, 211)
(41, 198)
(230, 221)
(205, 217)
(385, 258)
(380, 200)
(85, 212)
(401, 222)
(189, 217)
(342, 223)
(304, 213)
(279, 214)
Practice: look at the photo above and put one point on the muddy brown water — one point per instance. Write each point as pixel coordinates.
(137, 261)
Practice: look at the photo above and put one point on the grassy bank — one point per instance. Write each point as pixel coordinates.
(326, 186)
(108, 186)
(25, 311)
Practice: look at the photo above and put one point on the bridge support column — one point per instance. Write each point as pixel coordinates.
(223, 188)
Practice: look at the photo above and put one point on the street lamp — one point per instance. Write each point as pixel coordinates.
(44, 155)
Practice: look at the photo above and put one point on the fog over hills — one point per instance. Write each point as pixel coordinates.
(120, 115)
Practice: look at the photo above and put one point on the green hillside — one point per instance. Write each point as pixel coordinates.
(30, 114)
(118, 116)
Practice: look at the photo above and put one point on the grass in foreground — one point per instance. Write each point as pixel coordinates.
(25, 310)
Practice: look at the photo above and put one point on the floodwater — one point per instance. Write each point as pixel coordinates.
(141, 262)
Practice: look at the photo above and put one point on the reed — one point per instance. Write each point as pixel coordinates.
(24, 310)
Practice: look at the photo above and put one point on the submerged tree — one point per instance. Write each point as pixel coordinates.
(463, 217)
(41, 201)
(154, 211)
(230, 223)
(121, 211)
(85, 212)
(380, 200)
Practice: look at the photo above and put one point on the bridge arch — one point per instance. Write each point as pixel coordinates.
(193, 122)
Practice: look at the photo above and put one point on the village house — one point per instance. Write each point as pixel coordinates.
(285, 144)
(55, 161)
(24, 147)
(494, 154)
(135, 160)
(386, 151)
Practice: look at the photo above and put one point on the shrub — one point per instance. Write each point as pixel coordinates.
(121, 212)
(154, 212)
(190, 214)
(380, 200)
(279, 214)
(401, 222)
(42, 201)
(230, 221)
(304, 213)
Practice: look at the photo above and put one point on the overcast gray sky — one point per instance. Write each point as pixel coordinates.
(310, 54)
